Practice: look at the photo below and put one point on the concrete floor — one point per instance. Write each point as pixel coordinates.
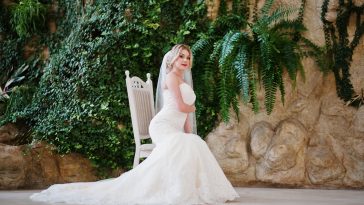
(251, 196)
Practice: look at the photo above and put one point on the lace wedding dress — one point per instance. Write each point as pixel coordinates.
(180, 170)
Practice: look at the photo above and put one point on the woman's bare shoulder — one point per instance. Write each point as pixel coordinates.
(172, 78)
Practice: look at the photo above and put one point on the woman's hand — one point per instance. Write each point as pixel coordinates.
(192, 108)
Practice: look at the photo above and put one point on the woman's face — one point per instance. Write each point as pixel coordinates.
(183, 60)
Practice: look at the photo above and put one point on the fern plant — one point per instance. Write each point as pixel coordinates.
(205, 71)
(255, 52)
(28, 16)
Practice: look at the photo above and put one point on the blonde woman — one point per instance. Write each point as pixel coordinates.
(180, 170)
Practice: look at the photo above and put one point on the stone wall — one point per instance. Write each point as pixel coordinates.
(313, 140)
(37, 165)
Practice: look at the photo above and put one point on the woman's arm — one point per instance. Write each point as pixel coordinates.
(173, 83)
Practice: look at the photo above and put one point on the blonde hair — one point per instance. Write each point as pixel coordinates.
(173, 55)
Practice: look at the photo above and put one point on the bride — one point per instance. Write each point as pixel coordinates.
(180, 170)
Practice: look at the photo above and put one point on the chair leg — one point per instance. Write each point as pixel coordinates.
(136, 157)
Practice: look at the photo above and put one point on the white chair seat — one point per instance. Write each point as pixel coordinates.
(146, 147)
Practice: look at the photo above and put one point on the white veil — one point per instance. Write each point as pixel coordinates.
(159, 93)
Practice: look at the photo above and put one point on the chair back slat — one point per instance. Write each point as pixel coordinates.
(143, 110)
(141, 102)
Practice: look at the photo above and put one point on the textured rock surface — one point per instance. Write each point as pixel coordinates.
(8, 133)
(38, 167)
(313, 140)
(12, 167)
(283, 161)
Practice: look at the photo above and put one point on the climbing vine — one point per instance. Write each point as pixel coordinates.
(79, 103)
(340, 49)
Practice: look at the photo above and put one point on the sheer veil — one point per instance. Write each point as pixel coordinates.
(159, 92)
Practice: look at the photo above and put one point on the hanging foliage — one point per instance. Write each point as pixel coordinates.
(248, 53)
(28, 16)
(340, 49)
(80, 102)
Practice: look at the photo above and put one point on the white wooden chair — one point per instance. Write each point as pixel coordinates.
(141, 103)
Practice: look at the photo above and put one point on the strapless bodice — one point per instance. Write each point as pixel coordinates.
(170, 117)
(188, 96)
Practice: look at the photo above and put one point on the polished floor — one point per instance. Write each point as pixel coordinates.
(251, 196)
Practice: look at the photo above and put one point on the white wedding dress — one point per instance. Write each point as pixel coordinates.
(180, 170)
